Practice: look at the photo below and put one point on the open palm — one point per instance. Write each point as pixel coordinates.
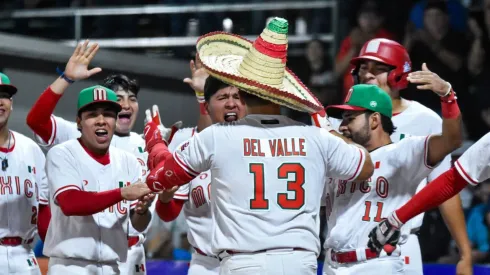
(77, 66)
(199, 76)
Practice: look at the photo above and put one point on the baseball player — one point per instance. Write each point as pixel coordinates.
(51, 130)
(354, 207)
(23, 192)
(471, 168)
(222, 103)
(267, 171)
(386, 63)
(91, 185)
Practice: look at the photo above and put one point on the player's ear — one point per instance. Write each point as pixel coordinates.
(79, 127)
(375, 120)
(206, 106)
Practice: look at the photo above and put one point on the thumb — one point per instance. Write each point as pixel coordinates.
(424, 67)
(94, 71)
(187, 80)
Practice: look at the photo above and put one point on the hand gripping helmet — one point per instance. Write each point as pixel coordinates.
(387, 52)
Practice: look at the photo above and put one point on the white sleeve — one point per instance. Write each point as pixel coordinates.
(183, 192)
(474, 164)
(195, 155)
(412, 157)
(61, 171)
(343, 161)
(41, 179)
(62, 130)
(335, 123)
(179, 137)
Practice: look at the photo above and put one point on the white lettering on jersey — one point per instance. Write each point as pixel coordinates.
(474, 164)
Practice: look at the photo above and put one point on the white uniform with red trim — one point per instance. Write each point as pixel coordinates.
(416, 120)
(267, 177)
(354, 208)
(64, 130)
(474, 164)
(87, 244)
(23, 186)
(197, 211)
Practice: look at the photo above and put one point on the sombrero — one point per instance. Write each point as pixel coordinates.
(259, 67)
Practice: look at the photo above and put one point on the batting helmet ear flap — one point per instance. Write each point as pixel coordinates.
(397, 78)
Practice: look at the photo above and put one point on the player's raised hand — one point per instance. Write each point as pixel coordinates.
(144, 203)
(427, 80)
(154, 131)
(77, 66)
(198, 78)
(135, 191)
(385, 235)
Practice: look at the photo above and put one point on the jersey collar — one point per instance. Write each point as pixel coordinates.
(102, 159)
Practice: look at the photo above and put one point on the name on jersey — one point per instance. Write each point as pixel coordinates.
(280, 147)
(10, 185)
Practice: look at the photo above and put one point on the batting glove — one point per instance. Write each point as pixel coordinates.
(320, 119)
(385, 235)
(166, 133)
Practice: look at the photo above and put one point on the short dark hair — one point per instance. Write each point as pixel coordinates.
(212, 86)
(116, 81)
(386, 122)
(253, 100)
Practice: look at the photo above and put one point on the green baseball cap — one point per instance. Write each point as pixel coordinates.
(97, 94)
(6, 86)
(364, 97)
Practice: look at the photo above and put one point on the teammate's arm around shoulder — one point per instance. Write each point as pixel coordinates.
(344, 159)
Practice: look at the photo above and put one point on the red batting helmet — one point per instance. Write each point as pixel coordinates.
(387, 52)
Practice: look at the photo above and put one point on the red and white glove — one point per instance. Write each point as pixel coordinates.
(385, 235)
(320, 119)
(166, 134)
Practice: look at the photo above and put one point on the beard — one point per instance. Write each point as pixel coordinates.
(362, 136)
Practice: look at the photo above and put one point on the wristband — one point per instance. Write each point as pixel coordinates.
(449, 106)
(63, 76)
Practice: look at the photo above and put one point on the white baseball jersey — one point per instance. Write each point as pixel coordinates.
(197, 194)
(416, 120)
(23, 186)
(355, 208)
(267, 177)
(474, 164)
(64, 130)
(100, 237)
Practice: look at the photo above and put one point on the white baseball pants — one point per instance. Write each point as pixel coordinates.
(18, 260)
(58, 266)
(277, 262)
(203, 265)
(411, 256)
(136, 261)
(387, 265)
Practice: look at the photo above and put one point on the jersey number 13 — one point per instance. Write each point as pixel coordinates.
(260, 202)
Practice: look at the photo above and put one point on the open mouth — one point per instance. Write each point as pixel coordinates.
(232, 116)
(124, 117)
(101, 133)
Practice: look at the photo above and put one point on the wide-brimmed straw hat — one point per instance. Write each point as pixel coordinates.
(258, 67)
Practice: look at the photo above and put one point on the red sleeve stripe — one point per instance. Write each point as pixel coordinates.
(464, 174)
(184, 166)
(53, 134)
(64, 188)
(43, 200)
(426, 152)
(181, 196)
(358, 170)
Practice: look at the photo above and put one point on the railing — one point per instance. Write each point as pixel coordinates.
(79, 13)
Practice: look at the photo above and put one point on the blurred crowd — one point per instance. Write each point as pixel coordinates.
(451, 36)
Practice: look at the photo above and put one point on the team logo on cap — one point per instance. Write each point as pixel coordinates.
(373, 104)
(100, 94)
(349, 94)
(406, 67)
